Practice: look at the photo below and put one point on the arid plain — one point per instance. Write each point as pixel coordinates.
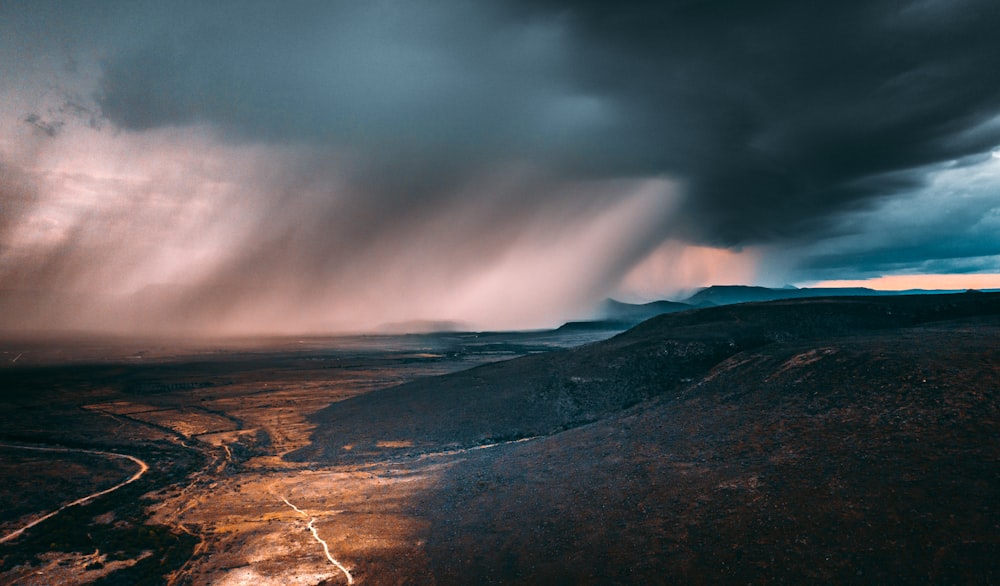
(214, 422)
(830, 440)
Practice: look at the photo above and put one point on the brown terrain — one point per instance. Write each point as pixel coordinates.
(847, 440)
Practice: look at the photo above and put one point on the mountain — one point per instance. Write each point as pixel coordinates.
(620, 311)
(729, 294)
(831, 440)
(618, 315)
(865, 458)
(554, 391)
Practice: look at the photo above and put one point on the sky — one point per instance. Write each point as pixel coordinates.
(228, 168)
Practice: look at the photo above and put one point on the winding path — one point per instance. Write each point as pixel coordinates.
(326, 548)
(143, 468)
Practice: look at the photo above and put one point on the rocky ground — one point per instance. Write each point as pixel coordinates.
(860, 459)
(848, 440)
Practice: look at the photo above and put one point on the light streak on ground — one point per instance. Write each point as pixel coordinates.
(474, 448)
(326, 548)
(143, 467)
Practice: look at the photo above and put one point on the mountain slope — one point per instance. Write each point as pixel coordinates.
(620, 311)
(619, 316)
(864, 458)
(548, 393)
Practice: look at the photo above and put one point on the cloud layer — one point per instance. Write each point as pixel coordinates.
(253, 166)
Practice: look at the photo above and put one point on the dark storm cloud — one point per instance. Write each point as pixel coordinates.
(959, 235)
(413, 155)
(423, 97)
(783, 112)
(447, 83)
(777, 113)
(951, 254)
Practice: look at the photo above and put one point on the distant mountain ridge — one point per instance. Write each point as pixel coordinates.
(618, 310)
(730, 294)
(620, 314)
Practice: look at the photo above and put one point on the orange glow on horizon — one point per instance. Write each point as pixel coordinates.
(904, 282)
(677, 267)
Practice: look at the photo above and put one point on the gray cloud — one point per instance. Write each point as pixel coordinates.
(450, 83)
(430, 142)
(948, 226)
(779, 114)
(792, 110)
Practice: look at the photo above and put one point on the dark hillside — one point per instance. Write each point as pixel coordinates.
(548, 393)
(729, 294)
(864, 458)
